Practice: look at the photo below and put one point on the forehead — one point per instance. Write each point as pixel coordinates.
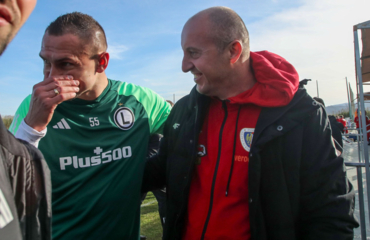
(66, 45)
(196, 33)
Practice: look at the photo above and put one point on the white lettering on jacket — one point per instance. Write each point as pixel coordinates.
(104, 157)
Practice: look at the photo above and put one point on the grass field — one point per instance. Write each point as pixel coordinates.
(150, 224)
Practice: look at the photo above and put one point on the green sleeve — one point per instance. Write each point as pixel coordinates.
(155, 106)
(20, 114)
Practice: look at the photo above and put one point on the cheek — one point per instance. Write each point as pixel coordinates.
(25, 8)
(86, 79)
(82, 86)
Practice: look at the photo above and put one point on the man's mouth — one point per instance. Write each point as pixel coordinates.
(197, 75)
(5, 16)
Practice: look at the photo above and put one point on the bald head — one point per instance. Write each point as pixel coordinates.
(83, 26)
(223, 26)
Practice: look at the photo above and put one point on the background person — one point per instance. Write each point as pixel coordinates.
(96, 142)
(344, 122)
(247, 154)
(356, 120)
(340, 119)
(337, 127)
(25, 191)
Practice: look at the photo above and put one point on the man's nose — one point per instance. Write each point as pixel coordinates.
(186, 65)
(52, 71)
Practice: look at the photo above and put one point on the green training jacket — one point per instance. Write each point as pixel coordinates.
(96, 153)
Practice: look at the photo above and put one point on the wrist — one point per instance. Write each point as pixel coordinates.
(33, 125)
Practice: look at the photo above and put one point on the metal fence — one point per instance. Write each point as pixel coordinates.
(362, 78)
(361, 196)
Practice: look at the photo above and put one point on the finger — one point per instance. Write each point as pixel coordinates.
(60, 84)
(53, 93)
(56, 78)
(63, 97)
(63, 77)
(71, 82)
(59, 90)
(54, 82)
(66, 80)
(68, 89)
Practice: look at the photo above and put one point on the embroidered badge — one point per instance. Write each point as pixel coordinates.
(246, 137)
(124, 118)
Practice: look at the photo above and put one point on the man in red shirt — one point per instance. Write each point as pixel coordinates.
(247, 154)
(343, 121)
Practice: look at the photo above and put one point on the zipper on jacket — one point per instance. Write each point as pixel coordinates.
(215, 172)
(233, 156)
(189, 173)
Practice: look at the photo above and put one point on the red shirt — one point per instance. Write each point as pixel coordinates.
(210, 211)
(218, 204)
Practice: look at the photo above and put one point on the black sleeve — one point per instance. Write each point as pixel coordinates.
(155, 167)
(153, 145)
(29, 179)
(327, 196)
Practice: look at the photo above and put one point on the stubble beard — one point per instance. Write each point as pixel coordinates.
(4, 43)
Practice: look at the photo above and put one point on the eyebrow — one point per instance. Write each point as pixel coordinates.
(193, 48)
(59, 60)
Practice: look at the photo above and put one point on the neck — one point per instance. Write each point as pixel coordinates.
(241, 80)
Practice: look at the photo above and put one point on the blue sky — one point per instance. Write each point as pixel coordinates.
(144, 42)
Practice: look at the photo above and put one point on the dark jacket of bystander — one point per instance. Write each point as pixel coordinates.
(298, 187)
(25, 190)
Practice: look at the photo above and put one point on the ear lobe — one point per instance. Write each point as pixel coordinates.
(236, 50)
(103, 62)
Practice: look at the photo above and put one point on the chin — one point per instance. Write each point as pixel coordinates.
(199, 90)
(202, 90)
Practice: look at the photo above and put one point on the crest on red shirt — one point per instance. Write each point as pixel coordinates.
(246, 137)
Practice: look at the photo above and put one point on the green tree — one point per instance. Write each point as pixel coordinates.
(7, 121)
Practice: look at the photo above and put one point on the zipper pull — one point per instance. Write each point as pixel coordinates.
(224, 104)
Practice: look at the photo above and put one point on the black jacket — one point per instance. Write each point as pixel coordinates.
(25, 190)
(298, 187)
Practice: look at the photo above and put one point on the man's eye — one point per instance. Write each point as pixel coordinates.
(66, 64)
(46, 62)
(194, 54)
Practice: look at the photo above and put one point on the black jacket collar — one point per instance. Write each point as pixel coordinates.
(286, 117)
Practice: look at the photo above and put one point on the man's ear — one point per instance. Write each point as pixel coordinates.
(235, 49)
(102, 62)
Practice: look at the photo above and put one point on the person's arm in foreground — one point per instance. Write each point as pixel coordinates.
(155, 167)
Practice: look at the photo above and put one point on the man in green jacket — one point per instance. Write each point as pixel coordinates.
(97, 132)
